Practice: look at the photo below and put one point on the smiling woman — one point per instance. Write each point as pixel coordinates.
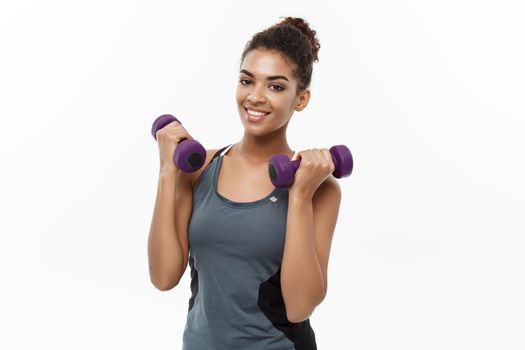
(258, 263)
(245, 235)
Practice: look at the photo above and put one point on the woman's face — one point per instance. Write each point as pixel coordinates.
(266, 84)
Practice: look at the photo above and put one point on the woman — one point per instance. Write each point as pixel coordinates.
(259, 254)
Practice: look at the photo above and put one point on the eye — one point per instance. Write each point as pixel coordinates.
(279, 88)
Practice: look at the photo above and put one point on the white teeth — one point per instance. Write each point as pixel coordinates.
(255, 113)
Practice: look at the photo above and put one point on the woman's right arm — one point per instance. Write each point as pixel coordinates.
(168, 246)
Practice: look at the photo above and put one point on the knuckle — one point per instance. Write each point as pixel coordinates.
(161, 134)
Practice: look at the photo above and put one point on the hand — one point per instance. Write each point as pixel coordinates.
(316, 165)
(168, 138)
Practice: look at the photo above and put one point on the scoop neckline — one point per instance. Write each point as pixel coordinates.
(231, 203)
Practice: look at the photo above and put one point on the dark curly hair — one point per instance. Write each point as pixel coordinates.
(294, 38)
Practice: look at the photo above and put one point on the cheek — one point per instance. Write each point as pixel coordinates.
(240, 98)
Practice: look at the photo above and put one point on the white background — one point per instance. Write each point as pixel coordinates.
(428, 96)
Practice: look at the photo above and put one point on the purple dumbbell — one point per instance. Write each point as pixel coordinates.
(282, 169)
(189, 155)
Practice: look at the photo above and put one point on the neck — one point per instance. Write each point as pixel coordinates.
(259, 149)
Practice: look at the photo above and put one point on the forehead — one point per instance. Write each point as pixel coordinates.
(265, 62)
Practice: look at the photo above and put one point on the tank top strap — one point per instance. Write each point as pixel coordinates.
(220, 152)
(226, 150)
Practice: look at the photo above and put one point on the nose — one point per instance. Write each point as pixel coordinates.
(255, 96)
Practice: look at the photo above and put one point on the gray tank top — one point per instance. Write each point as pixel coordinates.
(236, 250)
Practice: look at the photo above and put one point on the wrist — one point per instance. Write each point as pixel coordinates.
(168, 171)
(301, 195)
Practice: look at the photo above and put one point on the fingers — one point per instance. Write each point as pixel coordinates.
(173, 131)
(317, 157)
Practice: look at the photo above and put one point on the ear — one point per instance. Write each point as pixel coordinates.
(303, 99)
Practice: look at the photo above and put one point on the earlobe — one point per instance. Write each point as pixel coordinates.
(303, 100)
(301, 105)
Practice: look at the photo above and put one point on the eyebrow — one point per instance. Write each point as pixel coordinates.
(273, 77)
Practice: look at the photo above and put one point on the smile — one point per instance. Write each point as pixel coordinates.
(255, 116)
(255, 113)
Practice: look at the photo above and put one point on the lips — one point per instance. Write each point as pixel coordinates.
(255, 119)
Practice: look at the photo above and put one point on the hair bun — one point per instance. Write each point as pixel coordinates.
(303, 26)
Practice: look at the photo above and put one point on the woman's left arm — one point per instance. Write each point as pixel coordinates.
(313, 207)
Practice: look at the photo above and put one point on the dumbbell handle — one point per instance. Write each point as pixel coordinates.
(297, 162)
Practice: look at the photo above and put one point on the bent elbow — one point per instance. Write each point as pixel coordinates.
(164, 286)
(298, 317)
